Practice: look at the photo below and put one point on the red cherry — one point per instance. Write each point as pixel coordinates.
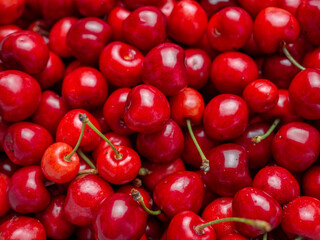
(94, 8)
(312, 59)
(255, 6)
(211, 7)
(134, 4)
(233, 236)
(11, 11)
(57, 9)
(154, 229)
(98, 115)
(117, 56)
(3, 129)
(295, 146)
(4, 203)
(85, 233)
(115, 20)
(5, 30)
(167, 7)
(73, 66)
(311, 182)
(84, 196)
(7, 167)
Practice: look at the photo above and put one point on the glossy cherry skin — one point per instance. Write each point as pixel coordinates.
(187, 22)
(182, 227)
(115, 20)
(274, 25)
(50, 111)
(259, 153)
(145, 28)
(302, 217)
(311, 182)
(11, 11)
(58, 36)
(85, 88)
(22, 228)
(312, 59)
(26, 192)
(179, 192)
(69, 129)
(117, 56)
(154, 229)
(113, 111)
(227, 162)
(164, 67)
(4, 203)
(58, 9)
(278, 183)
(25, 143)
(119, 211)
(231, 72)
(54, 221)
(118, 171)
(7, 167)
(304, 93)
(213, 6)
(24, 50)
(225, 117)
(229, 29)
(5, 30)
(295, 146)
(255, 6)
(146, 110)
(253, 203)
(91, 32)
(84, 196)
(95, 8)
(163, 146)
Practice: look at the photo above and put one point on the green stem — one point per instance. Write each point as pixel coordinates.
(137, 197)
(258, 139)
(291, 59)
(88, 171)
(83, 118)
(205, 162)
(265, 236)
(86, 159)
(299, 238)
(68, 157)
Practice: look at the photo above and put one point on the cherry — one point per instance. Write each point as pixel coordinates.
(128, 189)
(213, 6)
(26, 191)
(154, 229)
(253, 203)
(205, 46)
(54, 221)
(134, 4)
(278, 183)
(255, 6)
(58, 9)
(72, 66)
(117, 56)
(274, 25)
(229, 29)
(302, 217)
(146, 110)
(21, 227)
(167, 7)
(311, 182)
(94, 8)
(231, 72)
(164, 67)
(119, 211)
(312, 59)
(98, 115)
(233, 236)
(4, 203)
(85, 233)
(145, 28)
(295, 147)
(187, 22)
(5, 30)
(91, 32)
(11, 11)
(3, 129)
(290, 5)
(115, 20)
(19, 143)
(7, 167)
(225, 117)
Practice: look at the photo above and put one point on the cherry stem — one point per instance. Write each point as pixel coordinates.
(205, 162)
(88, 171)
(291, 59)
(85, 158)
(263, 225)
(68, 157)
(144, 172)
(258, 139)
(299, 238)
(137, 197)
(84, 119)
(49, 183)
(265, 236)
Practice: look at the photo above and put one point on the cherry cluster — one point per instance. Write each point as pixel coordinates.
(160, 119)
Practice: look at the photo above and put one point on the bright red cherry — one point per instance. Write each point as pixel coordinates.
(295, 146)
(55, 10)
(213, 6)
(117, 56)
(115, 20)
(4, 203)
(312, 59)
(95, 8)
(187, 22)
(11, 10)
(225, 117)
(5, 30)
(311, 182)
(231, 72)
(255, 6)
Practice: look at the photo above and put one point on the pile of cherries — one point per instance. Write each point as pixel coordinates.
(159, 119)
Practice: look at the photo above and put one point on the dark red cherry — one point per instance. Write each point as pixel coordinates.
(95, 8)
(233, 236)
(255, 6)
(179, 192)
(117, 56)
(282, 25)
(54, 221)
(304, 92)
(11, 11)
(253, 203)
(164, 67)
(26, 192)
(147, 109)
(22, 228)
(278, 183)
(5, 30)
(119, 211)
(311, 182)
(231, 72)
(85, 88)
(225, 117)
(25, 143)
(7, 167)
(301, 217)
(154, 229)
(187, 22)
(85, 233)
(84, 196)
(213, 6)
(145, 28)
(134, 4)
(24, 50)
(4, 203)
(295, 146)
(91, 32)
(98, 115)
(3, 129)
(115, 20)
